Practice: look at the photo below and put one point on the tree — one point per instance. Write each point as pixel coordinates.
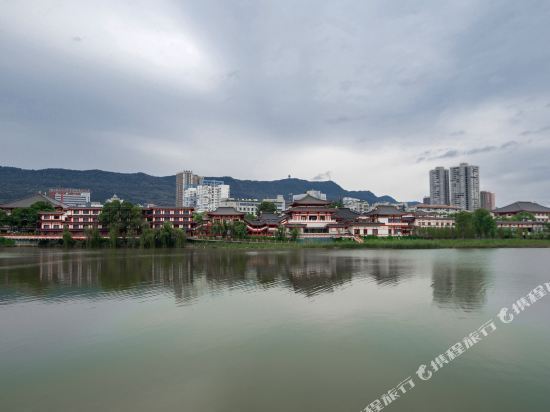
(294, 234)
(217, 229)
(464, 225)
(93, 238)
(280, 234)
(483, 223)
(524, 216)
(168, 236)
(336, 204)
(68, 240)
(147, 238)
(27, 217)
(4, 218)
(113, 236)
(267, 207)
(240, 230)
(123, 216)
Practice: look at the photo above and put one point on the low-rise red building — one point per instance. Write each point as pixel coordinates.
(76, 219)
(179, 217)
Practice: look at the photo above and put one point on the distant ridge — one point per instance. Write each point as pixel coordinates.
(142, 188)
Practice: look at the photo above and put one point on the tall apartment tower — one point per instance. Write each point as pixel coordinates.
(464, 185)
(487, 200)
(439, 186)
(185, 180)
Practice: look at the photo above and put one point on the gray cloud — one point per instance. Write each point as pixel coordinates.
(260, 90)
(323, 176)
(537, 131)
(453, 153)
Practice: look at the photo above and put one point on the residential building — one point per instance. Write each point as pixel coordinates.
(210, 194)
(357, 205)
(179, 217)
(185, 180)
(426, 200)
(541, 213)
(464, 184)
(248, 206)
(71, 197)
(279, 202)
(439, 186)
(190, 197)
(77, 219)
(487, 200)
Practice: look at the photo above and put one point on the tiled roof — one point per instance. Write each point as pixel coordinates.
(310, 200)
(345, 213)
(386, 210)
(310, 209)
(29, 201)
(225, 211)
(426, 206)
(517, 207)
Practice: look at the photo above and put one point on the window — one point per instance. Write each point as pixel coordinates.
(322, 217)
(312, 218)
(46, 226)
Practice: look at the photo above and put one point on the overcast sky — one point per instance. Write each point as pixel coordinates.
(371, 94)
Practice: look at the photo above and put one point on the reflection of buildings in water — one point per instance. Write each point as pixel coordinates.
(459, 283)
(313, 274)
(388, 270)
(191, 273)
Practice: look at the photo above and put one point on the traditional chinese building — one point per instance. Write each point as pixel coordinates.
(393, 222)
(266, 224)
(541, 213)
(311, 216)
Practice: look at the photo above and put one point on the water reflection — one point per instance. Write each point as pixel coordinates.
(460, 283)
(190, 274)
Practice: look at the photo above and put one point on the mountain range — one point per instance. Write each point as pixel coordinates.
(16, 183)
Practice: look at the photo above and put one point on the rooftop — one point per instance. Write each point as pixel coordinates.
(386, 211)
(29, 201)
(521, 206)
(225, 211)
(309, 200)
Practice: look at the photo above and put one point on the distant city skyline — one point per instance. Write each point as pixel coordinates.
(369, 94)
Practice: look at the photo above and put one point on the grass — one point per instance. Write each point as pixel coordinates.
(6, 242)
(386, 243)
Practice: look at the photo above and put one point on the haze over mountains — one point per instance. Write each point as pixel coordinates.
(142, 188)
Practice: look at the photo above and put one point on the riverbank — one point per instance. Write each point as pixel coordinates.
(383, 243)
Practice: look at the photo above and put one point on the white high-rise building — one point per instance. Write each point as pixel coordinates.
(439, 186)
(209, 195)
(184, 181)
(464, 185)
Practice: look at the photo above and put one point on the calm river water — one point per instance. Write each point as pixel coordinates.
(284, 331)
